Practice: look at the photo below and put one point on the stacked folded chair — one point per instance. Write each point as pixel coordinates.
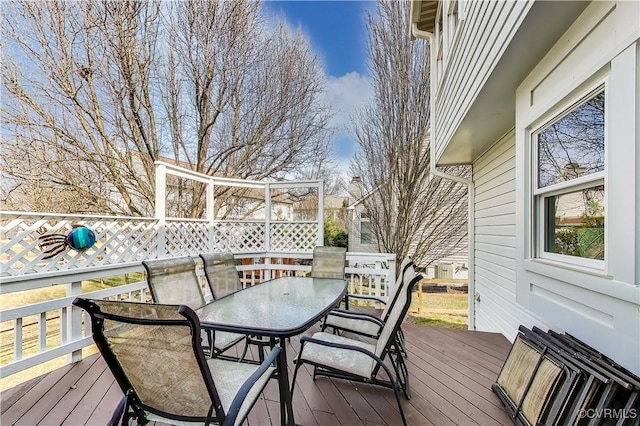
(550, 378)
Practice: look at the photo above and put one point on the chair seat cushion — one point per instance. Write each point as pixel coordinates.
(353, 323)
(224, 339)
(350, 361)
(229, 377)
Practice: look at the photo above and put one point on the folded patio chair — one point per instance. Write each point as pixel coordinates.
(175, 281)
(540, 384)
(222, 275)
(604, 387)
(328, 262)
(366, 324)
(155, 355)
(341, 357)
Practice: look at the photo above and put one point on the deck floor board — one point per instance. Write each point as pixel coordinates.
(451, 372)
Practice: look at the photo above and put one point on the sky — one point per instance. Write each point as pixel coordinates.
(338, 34)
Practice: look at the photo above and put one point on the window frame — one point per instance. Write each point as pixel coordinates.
(539, 194)
(366, 222)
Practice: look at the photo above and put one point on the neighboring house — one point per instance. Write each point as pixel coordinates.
(334, 208)
(542, 98)
(250, 205)
(362, 239)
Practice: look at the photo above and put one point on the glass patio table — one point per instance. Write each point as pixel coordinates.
(280, 308)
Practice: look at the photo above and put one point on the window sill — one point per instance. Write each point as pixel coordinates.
(584, 278)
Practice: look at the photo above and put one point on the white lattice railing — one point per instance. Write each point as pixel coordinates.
(293, 236)
(126, 240)
(237, 236)
(119, 240)
(36, 333)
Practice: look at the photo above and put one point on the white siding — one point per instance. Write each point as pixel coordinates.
(485, 32)
(495, 306)
(601, 307)
(599, 45)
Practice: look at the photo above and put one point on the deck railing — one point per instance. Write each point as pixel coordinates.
(39, 332)
(35, 333)
(264, 246)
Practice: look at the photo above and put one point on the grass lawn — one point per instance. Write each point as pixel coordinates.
(447, 310)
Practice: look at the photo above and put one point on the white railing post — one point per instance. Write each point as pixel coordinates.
(210, 214)
(378, 281)
(74, 321)
(391, 278)
(267, 267)
(267, 217)
(161, 208)
(321, 213)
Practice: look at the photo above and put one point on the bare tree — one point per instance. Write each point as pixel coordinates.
(411, 212)
(95, 92)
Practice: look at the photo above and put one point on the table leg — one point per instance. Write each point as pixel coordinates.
(286, 406)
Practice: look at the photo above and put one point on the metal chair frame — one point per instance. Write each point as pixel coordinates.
(132, 407)
(378, 321)
(184, 269)
(222, 264)
(401, 374)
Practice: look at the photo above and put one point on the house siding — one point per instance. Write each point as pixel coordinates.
(474, 52)
(458, 259)
(591, 45)
(495, 306)
(602, 306)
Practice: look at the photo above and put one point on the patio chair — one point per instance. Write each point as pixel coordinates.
(365, 324)
(157, 360)
(328, 262)
(174, 281)
(222, 275)
(540, 383)
(344, 358)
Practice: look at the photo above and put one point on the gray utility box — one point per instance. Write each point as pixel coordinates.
(443, 270)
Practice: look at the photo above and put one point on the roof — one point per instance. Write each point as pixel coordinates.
(423, 14)
(333, 202)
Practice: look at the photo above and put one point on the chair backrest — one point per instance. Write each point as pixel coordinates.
(328, 262)
(174, 281)
(398, 310)
(155, 355)
(393, 294)
(220, 270)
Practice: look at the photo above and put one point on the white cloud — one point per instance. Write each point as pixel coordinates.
(345, 94)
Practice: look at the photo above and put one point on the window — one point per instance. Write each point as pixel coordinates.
(366, 236)
(569, 187)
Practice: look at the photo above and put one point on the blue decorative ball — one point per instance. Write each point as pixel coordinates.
(81, 238)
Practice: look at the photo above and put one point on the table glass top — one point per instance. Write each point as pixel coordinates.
(281, 307)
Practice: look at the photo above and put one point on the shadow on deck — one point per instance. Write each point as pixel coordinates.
(451, 372)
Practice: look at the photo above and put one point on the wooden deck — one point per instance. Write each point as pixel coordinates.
(451, 374)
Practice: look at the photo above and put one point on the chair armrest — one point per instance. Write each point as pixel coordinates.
(307, 339)
(357, 315)
(363, 297)
(234, 408)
